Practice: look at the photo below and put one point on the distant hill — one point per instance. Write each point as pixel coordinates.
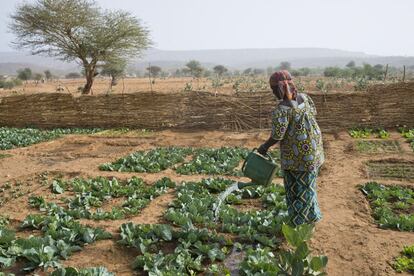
(232, 58)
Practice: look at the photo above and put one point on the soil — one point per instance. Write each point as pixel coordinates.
(347, 233)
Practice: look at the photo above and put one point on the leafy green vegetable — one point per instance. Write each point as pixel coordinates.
(193, 246)
(93, 271)
(153, 161)
(4, 221)
(91, 194)
(222, 161)
(390, 205)
(294, 261)
(22, 137)
(195, 203)
(406, 261)
(408, 134)
(368, 132)
(58, 186)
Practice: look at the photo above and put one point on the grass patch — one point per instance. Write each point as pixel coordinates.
(391, 169)
(378, 146)
(392, 206)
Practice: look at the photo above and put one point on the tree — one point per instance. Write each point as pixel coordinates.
(332, 72)
(25, 74)
(351, 64)
(248, 71)
(258, 71)
(37, 77)
(285, 65)
(73, 75)
(220, 70)
(78, 30)
(48, 75)
(154, 70)
(115, 69)
(195, 69)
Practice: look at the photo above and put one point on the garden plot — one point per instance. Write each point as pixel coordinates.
(365, 133)
(392, 206)
(153, 161)
(391, 169)
(56, 220)
(193, 242)
(348, 247)
(222, 161)
(15, 137)
(377, 146)
(14, 189)
(185, 161)
(188, 243)
(89, 197)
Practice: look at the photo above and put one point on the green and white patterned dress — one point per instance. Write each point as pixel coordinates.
(302, 155)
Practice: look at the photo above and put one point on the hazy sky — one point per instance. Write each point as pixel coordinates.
(381, 27)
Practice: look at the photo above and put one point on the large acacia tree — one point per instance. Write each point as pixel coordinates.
(78, 30)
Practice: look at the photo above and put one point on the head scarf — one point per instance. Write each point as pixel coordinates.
(281, 84)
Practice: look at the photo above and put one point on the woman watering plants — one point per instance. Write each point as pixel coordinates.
(295, 126)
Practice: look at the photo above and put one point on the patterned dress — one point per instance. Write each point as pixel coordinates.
(301, 157)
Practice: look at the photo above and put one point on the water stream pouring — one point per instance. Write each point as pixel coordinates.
(261, 171)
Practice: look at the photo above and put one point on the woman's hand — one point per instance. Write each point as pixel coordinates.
(265, 147)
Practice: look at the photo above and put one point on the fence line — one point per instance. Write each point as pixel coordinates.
(381, 105)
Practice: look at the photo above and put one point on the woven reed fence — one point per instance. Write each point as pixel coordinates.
(384, 106)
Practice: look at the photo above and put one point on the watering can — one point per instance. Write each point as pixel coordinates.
(260, 169)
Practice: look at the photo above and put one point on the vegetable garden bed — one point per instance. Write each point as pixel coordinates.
(364, 133)
(61, 233)
(222, 161)
(391, 169)
(22, 137)
(152, 161)
(190, 242)
(200, 241)
(208, 161)
(377, 146)
(392, 206)
(90, 195)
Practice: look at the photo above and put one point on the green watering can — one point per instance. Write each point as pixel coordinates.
(260, 169)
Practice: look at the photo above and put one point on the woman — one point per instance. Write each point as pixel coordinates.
(294, 125)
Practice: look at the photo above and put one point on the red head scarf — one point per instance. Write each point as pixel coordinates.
(282, 84)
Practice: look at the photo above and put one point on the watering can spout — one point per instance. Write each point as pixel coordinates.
(241, 185)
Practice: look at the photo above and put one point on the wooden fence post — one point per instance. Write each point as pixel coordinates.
(260, 112)
(149, 75)
(403, 79)
(386, 72)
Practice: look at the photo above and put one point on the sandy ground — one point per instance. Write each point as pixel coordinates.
(166, 85)
(347, 234)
